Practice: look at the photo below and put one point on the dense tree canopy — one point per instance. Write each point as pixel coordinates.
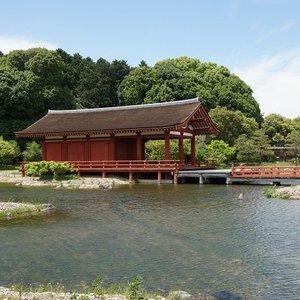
(277, 128)
(35, 80)
(31, 82)
(183, 78)
(232, 124)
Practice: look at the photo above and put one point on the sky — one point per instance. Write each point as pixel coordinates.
(259, 40)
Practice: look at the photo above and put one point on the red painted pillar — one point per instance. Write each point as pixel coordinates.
(159, 177)
(167, 145)
(139, 146)
(112, 152)
(64, 154)
(87, 154)
(181, 151)
(44, 148)
(130, 176)
(193, 151)
(175, 177)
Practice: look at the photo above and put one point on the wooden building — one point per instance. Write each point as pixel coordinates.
(119, 134)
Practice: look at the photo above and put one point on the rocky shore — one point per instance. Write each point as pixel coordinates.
(289, 192)
(15, 210)
(9, 294)
(15, 177)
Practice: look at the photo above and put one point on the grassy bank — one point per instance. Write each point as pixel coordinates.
(17, 211)
(96, 290)
(292, 192)
(131, 290)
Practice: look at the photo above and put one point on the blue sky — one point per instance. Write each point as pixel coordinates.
(259, 40)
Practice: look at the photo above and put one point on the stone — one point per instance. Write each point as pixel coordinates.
(179, 294)
(226, 295)
(48, 206)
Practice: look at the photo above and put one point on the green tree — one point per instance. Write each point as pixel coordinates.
(9, 152)
(293, 140)
(253, 149)
(278, 139)
(276, 128)
(246, 149)
(262, 144)
(183, 78)
(133, 88)
(155, 150)
(232, 124)
(31, 82)
(217, 150)
(119, 69)
(32, 152)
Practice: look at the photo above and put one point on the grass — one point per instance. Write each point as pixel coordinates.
(9, 167)
(131, 290)
(272, 192)
(59, 177)
(21, 213)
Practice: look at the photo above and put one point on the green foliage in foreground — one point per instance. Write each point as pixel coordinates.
(48, 169)
(32, 152)
(155, 150)
(219, 151)
(21, 213)
(273, 192)
(131, 290)
(9, 152)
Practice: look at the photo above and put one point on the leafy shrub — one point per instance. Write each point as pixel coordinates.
(217, 150)
(155, 150)
(48, 168)
(134, 288)
(32, 152)
(273, 192)
(9, 152)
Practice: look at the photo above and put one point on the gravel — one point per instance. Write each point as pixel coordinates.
(14, 177)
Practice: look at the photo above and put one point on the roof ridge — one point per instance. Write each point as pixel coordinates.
(160, 104)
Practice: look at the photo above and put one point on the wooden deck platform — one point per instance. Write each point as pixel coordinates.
(176, 169)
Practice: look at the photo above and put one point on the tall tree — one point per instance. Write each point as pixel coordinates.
(232, 124)
(31, 82)
(262, 144)
(183, 78)
(276, 128)
(293, 140)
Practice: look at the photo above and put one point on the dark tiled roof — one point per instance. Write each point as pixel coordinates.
(170, 115)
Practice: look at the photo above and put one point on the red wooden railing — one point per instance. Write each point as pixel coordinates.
(265, 172)
(128, 165)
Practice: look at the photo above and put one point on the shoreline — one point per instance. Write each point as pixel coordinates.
(18, 210)
(12, 294)
(286, 192)
(14, 177)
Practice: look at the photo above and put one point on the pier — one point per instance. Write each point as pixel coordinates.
(205, 176)
(261, 175)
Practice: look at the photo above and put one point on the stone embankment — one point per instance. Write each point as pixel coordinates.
(289, 192)
(14, 177)
(8, 294)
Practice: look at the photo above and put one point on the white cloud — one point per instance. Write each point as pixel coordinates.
(8, 44)
(275, 82)
(288, 26)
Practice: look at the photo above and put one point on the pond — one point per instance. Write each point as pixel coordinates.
(188, 237)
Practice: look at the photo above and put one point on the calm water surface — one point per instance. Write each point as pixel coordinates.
(190, 237)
